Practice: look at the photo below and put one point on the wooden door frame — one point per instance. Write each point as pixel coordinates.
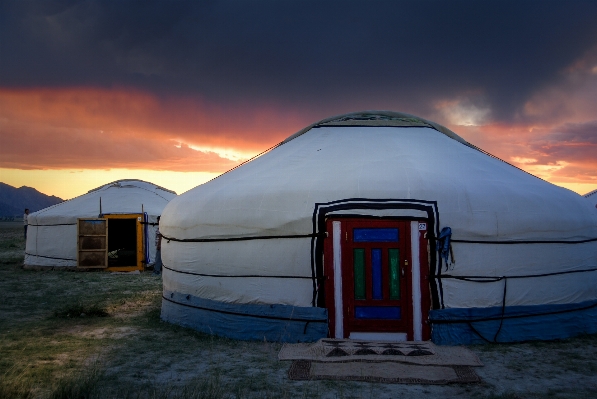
(418, 275)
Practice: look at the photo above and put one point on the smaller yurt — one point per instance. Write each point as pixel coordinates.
(111, 227)
(380, 225)
(592, 197)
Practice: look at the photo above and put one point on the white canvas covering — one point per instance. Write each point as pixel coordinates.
(52, 232)
(592, 197)
(480, 197)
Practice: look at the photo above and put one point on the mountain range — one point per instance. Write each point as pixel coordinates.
(13, 201)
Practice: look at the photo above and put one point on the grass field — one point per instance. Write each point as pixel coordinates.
(99, 335)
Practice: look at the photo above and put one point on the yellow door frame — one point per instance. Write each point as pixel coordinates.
(140, 241)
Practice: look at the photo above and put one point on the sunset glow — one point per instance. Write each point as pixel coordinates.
(69, 183)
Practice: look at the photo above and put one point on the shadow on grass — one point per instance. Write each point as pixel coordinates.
(13, 261)
(80, 310)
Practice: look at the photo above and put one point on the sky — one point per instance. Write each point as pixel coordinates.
(177, 92)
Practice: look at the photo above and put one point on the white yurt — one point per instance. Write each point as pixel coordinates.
(111, 227)
(592, 197)
(380, 226)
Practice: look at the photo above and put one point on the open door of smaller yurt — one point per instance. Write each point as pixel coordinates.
(114, 242)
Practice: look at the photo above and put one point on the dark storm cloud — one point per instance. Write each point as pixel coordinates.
(332, 55)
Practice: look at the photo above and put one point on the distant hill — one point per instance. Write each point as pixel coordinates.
(13, 201)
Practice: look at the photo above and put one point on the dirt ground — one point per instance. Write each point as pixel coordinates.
(99, 335)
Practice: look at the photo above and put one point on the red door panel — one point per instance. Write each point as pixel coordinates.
(374, 277)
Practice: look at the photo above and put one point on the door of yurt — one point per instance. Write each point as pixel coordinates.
(125, 242)
(113, 242)
(369, 291)
(92, 243)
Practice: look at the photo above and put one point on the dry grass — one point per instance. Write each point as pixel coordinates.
(96, 335)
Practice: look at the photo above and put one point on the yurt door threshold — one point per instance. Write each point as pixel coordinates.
(113, 242)
(374, 289)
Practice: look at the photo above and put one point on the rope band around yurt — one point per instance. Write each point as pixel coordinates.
(235, 275)
(245, 314)
(515, 316)
(491, 279)
(241, 238)
(49, 257)
(512, 242)
(55, 224)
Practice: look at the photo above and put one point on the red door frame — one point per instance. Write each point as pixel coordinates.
(423, 266)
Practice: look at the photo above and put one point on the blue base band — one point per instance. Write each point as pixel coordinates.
(521, 323)
(462, 326)
(274, 323)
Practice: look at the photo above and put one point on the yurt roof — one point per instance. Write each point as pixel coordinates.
(377, 155)
(380, 118)
(121, 196)
(374, 118)
(132, 183)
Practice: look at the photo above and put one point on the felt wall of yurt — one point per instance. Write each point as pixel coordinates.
(592, 197)
(380, 225)
(52, 233)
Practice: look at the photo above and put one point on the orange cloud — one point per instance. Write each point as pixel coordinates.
(55, 148)
(94, 128)
(563, 153)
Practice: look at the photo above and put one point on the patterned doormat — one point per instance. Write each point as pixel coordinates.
(343, 350)
(384, 372)
(386, 362)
